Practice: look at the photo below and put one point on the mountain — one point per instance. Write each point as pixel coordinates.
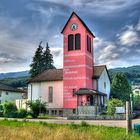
(14, 74)
(132, 73)
(19, 79)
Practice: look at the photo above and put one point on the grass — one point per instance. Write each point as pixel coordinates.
(46, 117)
(23, 130)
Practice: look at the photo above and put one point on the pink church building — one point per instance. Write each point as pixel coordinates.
(80, 87)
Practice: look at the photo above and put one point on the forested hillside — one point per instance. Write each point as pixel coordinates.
(19, 79)
(132, 73)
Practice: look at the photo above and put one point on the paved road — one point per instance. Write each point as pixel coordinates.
(112, 123)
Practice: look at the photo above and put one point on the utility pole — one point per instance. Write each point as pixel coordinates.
(128, 119)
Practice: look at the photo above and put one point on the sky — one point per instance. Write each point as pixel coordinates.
(24, 23)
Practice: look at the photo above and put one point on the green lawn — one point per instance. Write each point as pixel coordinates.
(16, 130)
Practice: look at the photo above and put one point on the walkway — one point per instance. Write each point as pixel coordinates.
(112, 123)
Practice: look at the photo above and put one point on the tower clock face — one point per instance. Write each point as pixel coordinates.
(74, 26)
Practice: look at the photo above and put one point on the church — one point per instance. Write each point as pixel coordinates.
(80, 88)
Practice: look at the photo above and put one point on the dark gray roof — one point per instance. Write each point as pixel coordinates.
(4, 87)
(57, 74)
(86, 91)
(49, 75)
(98, 71)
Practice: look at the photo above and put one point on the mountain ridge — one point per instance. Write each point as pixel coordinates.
(132, 73)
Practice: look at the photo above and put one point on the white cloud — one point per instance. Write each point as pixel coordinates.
(100, 6)
(129, 36)
(58, 56)
(138, 26)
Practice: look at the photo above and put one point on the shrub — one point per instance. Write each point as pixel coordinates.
(22, 113)
(37, 107)
(46, 117)
(84, 124)
(1, 110)
(112, 103)
(10, 110)
(29, 117)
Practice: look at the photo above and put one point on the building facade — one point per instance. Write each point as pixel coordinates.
(8, 93)
(79, 83)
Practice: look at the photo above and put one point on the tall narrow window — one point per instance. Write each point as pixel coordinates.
(70, 42)
(88, 43)
(50, 96)
(77, 42)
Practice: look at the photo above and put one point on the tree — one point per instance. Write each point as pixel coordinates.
(120, 87)
(42, 60)
(47, 59)
(136, 102)
(37, 107)
(37, 63)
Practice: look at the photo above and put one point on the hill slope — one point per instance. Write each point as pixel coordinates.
(19, 79)
(132, 73)
(14, 74)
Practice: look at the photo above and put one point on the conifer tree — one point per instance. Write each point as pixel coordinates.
(37, 62)
(47, 59)
(42, 60)
(120, 88)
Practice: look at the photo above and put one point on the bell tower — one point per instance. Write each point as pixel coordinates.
(78, 59)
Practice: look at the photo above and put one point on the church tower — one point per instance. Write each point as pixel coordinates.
(78, 59)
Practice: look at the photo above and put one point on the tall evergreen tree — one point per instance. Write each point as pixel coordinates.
(120, 87)
(37, 62)
(47, 59)
(42, 60)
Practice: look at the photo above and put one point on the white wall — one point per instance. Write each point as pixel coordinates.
(41, 89)
(12, 96)
(104, 78)
(94, 84)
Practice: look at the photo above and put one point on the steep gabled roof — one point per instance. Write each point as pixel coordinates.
(4, 87)
(57, 74)
(73, 13)
(98, 71)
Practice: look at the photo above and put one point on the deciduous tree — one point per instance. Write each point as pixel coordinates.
(120, 88)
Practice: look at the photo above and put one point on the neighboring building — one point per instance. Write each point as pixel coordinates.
(8, 93)
(79, 85)
(136, 91)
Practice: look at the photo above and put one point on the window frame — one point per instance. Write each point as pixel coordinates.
(70, 46)
(50, 94)
(77, 41)
(89, 44)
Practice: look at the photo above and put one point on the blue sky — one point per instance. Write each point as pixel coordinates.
(24, 23)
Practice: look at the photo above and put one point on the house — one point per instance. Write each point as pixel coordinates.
(136, 91)
(80, 85)
(8, 93)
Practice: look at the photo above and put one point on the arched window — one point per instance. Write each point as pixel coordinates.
(50, 96)
(70, 42)
(88, 43)
(77, 42)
